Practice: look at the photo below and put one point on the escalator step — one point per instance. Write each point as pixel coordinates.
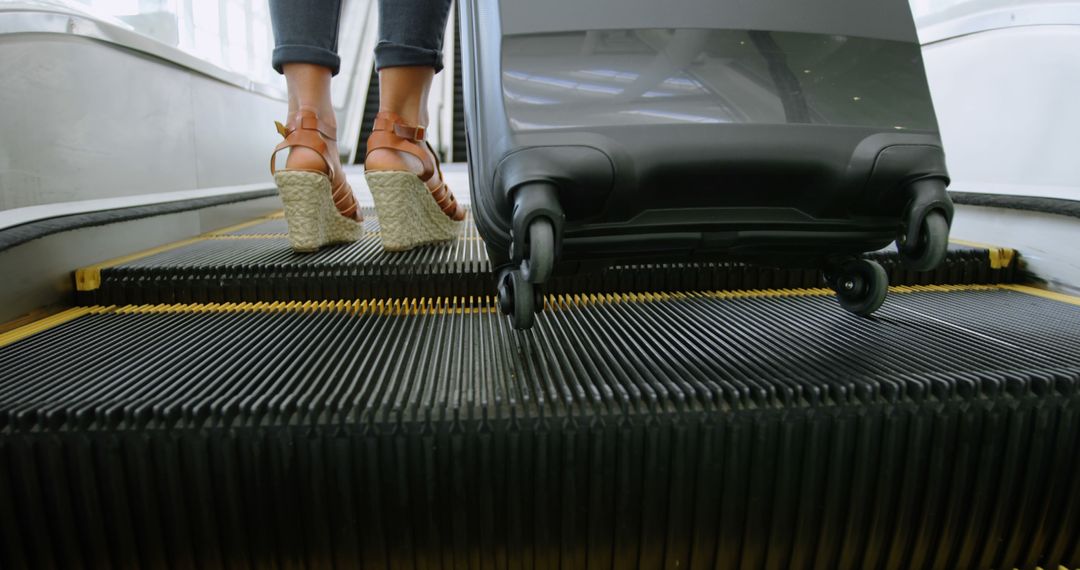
(724, 429)
(256, 264)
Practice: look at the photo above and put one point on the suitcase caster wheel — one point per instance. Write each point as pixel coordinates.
(535, 230)
(519, 299)
(541, 258)
(933, 243)
(506, 296)
(861, 285)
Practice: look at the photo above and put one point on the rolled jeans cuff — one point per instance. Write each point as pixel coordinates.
(305, 54)
(388, 54)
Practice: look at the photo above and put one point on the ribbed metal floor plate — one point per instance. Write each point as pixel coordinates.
(722, 430)
(255, 263)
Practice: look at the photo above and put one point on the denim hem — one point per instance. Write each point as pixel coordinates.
(306, 54)
(389, 54)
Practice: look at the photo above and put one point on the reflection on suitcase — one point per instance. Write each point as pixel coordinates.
(781, 132)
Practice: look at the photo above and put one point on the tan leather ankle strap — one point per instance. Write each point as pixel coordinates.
(308, 120)
(391, 131)
(390, 122)
(305, 129)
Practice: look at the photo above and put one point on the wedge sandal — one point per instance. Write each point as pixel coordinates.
(413, 209)
(320, 208)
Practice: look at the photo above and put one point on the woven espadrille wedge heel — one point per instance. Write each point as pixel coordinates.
(413, 209)
(320, 208)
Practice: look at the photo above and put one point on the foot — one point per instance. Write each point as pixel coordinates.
(386, 159)
(312, 147)
(397, 146)
(304, 158)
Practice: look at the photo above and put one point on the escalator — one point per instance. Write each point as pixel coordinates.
(223, 402)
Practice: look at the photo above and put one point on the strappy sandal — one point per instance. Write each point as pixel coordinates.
(411, 212)
(319, 206)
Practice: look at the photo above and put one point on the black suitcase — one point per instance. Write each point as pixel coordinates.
(784, 132)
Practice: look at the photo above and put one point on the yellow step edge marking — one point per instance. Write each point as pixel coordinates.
(460, 305)
(473, 305)
(89, 278)
(367, 233)
(48, 323)
(31, 317)
(423, 306)
(247, 224)
(247, 236)
(1000, 257)
(1063, 297)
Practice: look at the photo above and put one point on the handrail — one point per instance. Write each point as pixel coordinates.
(20, 225)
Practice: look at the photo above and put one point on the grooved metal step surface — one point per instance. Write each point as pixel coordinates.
(764, 429)
(255, 263)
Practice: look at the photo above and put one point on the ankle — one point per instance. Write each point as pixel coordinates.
(325, 113)
(309, 87)
(411, 116)
(404, 90)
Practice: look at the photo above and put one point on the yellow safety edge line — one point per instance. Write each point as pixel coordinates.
(261, 219)
(477, 305)
(470, 305)
(48, 323)
(31, 317)
(1063, 297)
(1000, 257)
(367, 233)
(248, 236)
(89, 278)
(411, 306)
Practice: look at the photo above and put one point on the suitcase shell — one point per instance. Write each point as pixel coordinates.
(781, 131)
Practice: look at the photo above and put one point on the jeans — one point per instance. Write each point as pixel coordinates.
(410, 32)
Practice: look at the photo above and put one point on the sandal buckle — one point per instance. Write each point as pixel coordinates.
(407, 132)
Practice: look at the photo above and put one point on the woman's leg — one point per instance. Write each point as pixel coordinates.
(305, 37)
(407, 56)
(415, 207)
(409, 53)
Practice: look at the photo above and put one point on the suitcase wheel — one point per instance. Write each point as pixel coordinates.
(924, 239)
(519, 299)
(535, 230)
(538, 265)
(860, 284)
(931, 243)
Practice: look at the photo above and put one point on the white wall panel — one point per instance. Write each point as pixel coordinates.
(84, 120)
(1006, 102)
